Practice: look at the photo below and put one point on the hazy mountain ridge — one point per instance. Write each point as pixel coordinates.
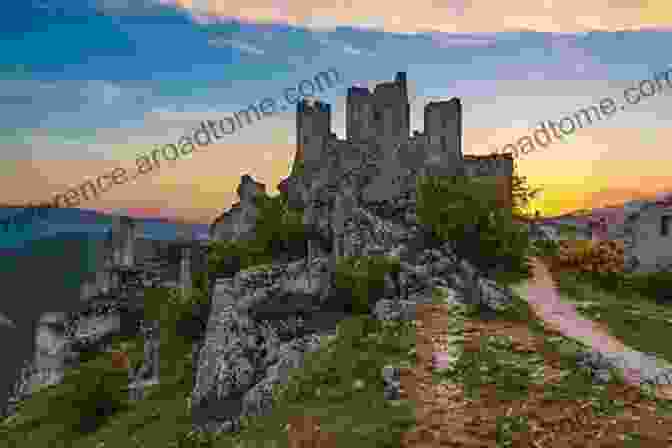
(614, 215)
(54, 222)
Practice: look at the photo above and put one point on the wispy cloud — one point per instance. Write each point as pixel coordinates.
(345, 47)
(356, 51)
(245, 47)
(445, 40)
(451, 16)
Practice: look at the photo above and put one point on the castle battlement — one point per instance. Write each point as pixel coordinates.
(381, 116)
(308, 105)
(378, 131)
(378, 121)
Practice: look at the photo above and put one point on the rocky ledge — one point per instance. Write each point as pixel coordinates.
(265, 319)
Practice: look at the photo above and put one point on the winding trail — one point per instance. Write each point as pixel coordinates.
(559, 314)
(447, 416)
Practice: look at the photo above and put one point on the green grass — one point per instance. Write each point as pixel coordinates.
(323, 386)
(49, 418)
(511, 277)
(636, 320)
(567, 231)
(496, 363)
(507, 427)
(576, 382)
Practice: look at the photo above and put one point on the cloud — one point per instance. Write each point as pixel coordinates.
(110, 92)
(453, 16)
(345, 47)
(16, 100)
(131, 7)
(245, 47)
(446, 40)
(356, 51)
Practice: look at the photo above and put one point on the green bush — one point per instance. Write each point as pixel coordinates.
(227, 258)
(180, 318)
(61, 414)
(280, 230)
(610, 281)
(100, 393)
(362, 279)
(655, 285)
(548, 248)
(200, 283)
(279, 233)
(468, 213)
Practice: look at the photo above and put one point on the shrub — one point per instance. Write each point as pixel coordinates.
(656, 285)
(280, 230)
(362, 280)
(96, 391)
(182, 317)
(279, 233)
(192, 314)
(200, 283)
(469, 214)
(227, 258)
(100, 394)
(547, 248)
(609, 281)
(603, 257)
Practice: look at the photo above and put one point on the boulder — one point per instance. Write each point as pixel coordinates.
(392, 381)
(259, 399)
(235, 350)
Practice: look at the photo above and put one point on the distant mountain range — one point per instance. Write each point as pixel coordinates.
(54, 222)
(613, 214)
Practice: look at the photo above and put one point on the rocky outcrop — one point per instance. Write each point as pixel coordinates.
(255, 334)
(265, 319)
(392, 381)
(601, 366)
(238, 222)
(63, 339)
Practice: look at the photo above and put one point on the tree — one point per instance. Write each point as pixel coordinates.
(468, 214)
(523, 195)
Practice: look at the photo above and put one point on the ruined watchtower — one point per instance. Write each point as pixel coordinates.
(313, 130)
(383, 115)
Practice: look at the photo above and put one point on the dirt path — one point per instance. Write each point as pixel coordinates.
(558, 408)
(544, 299)
(449, 417)
(561, 315)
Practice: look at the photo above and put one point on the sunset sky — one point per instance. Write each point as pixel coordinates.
(88, 86)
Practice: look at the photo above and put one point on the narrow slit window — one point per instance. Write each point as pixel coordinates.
(665, 225)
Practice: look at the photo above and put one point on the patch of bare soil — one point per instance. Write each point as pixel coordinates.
(446, 417)
(305, 432)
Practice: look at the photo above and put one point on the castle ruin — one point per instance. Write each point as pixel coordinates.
(377, 137)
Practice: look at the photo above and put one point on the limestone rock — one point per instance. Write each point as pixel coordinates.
(386, 309)
(259, 399)
(236, 348)
(392, 381)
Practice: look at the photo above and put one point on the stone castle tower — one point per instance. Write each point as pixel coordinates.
(378, 125)
(380, 120)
